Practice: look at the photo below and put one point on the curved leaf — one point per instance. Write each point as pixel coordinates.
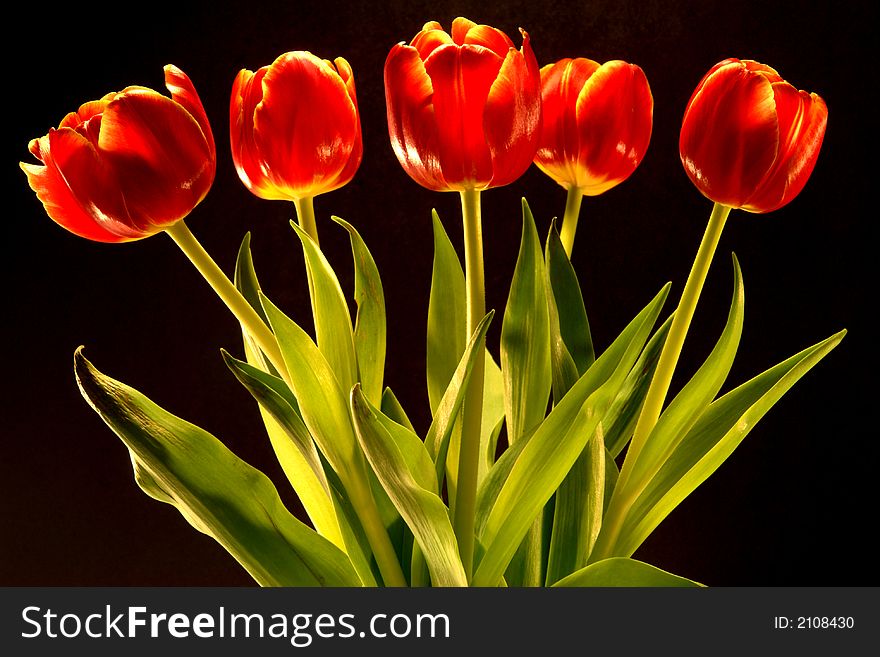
(714, 437)
(447, 315)
(556, 444)
(421, 508)
(565, 294)
(696, 395)
(620, 572)
(294, 447)
(369, 328)
(218, 493)
(333, 331)
(525, 337)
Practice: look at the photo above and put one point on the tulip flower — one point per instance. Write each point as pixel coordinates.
(295, 130)
(128, 165)
(464, 114)
(749, 139)
(464, 110)
(135, 163)
(596, 128)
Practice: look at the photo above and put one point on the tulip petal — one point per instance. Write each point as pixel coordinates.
(614, 118)
(489, 37)
(559, 144)
(411, 120)
(71, 162)
(184, 93)
(429, 39)
(802, 120)
(161, 160)
(247, 92)
(460, 28)
(512, 121)
(729, 135)
(306, 125)
(85, 112)
(462, 77)
(354, 159)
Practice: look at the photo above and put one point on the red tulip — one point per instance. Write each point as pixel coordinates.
(597, 123)
(294, 127)
(749, 139)
(128, 165)
(464, 111)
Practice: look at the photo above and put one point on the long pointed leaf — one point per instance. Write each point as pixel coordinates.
(525, 337)
(696, 395)
(318, 392)
(556, 444)
(569, 302)
(423, 511)
(295, 447)
(620, 572)
(391, 407)
(447, 315)
(218, 493)
(715, 436)
(447, 410)
(335, 337)
(578, 512)
(369, 329)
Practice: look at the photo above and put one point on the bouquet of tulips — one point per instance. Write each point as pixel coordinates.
(548, 463)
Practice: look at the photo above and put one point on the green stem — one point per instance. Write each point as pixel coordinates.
(228, 293)
(469, 451)
(570, 218)
(677, 331)
(305, 214)
(377, 535)
(624, 496)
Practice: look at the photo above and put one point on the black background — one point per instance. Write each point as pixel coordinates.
(791, 507)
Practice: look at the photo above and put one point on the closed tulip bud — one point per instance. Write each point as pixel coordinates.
(128, 165)
(294, 127)
(597, 123)
(464, 110)
(749, 139)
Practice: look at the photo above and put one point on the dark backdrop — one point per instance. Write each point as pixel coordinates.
(791, 507)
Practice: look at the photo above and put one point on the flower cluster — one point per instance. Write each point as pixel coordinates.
(467, 110)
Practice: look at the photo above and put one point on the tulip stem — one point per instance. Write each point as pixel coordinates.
(681, 321)
(377, 535)
(305, 214)
(246, 315)
(469, 451)
(570, 218)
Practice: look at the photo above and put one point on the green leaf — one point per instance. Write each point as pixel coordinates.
(449, 407)
(369, 330)
(696, 395)
(493, 412)
(247, 283)
(566, 296)
(580, 503)
(392, 408)
(620, 571)
(218, 493)
(629, 401)
(447, 315)
(714, 437)
(421, 508)
(525, 338)
(333, 329)
(556, 444)
(321, 400)
(294, 447)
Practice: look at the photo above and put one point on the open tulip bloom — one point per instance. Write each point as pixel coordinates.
(516, 480)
